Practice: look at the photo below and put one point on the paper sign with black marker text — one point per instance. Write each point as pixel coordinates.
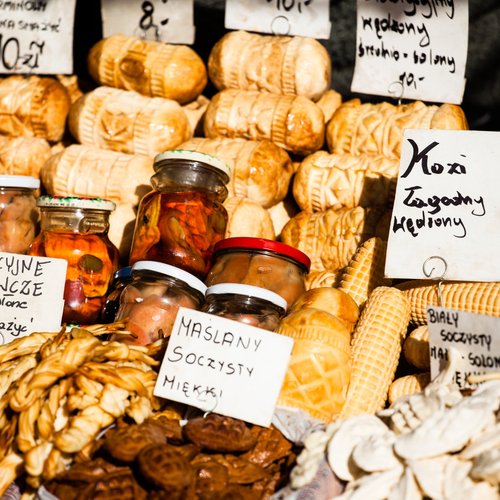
(475, 336)
(169, 21)
(446, 214)
(309, 18)
(37, 36)
(31, 295)
(412, 50)
(224, 366)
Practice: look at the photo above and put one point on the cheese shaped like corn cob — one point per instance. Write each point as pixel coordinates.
(294, 123)
(469, 296)
(330, 238)
(416, 348)
(378, 128)
(376, 346)
(326, 180)
(270, 63)
(365, 271)
(410, 384)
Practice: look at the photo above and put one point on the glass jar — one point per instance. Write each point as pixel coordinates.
(150, 303)
(245, 303)
(181, 220)
(121, 278)
(260, 262)
(18, 212)
(76, 229)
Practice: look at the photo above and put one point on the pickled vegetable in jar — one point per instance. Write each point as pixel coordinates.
(121, 279)
(149, 304)
(18, 212)
(181, 220)
(260, 262)
(76, 229)
(248, 304)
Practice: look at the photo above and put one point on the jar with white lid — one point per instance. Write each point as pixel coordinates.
(149, 304)
(18, 212)
(181, 220)
(248, 304)
(76, 229)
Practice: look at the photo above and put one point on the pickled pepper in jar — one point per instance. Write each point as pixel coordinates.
(75, 229)
(180, 221)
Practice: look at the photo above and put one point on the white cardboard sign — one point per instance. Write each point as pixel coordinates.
(411, 50)
(309, 18)
(169, 21)
(37, 36)
(475, 336)
(31, 295)
(224, 366)
(445, 219)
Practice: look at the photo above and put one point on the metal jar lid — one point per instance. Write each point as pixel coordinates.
(196, 156)
(76, 202)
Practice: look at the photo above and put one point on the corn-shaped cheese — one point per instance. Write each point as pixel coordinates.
(330, 238)
(416, 348)
(469, 296)
(410, 384)
(376, 346)
(378, 128)
(294, 123)
(342, 180)
(365, 271)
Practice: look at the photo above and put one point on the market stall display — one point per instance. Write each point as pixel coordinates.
(268, 204)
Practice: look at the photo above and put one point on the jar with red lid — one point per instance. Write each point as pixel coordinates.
(149, 304)
(180, 221)
(76, 229)
(248, 304)
(18, 212)
(260, 262)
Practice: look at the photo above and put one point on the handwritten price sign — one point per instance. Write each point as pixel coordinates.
(280, 17)
(446, 208)
(411, 50)
(162, 20)
(37, 37)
